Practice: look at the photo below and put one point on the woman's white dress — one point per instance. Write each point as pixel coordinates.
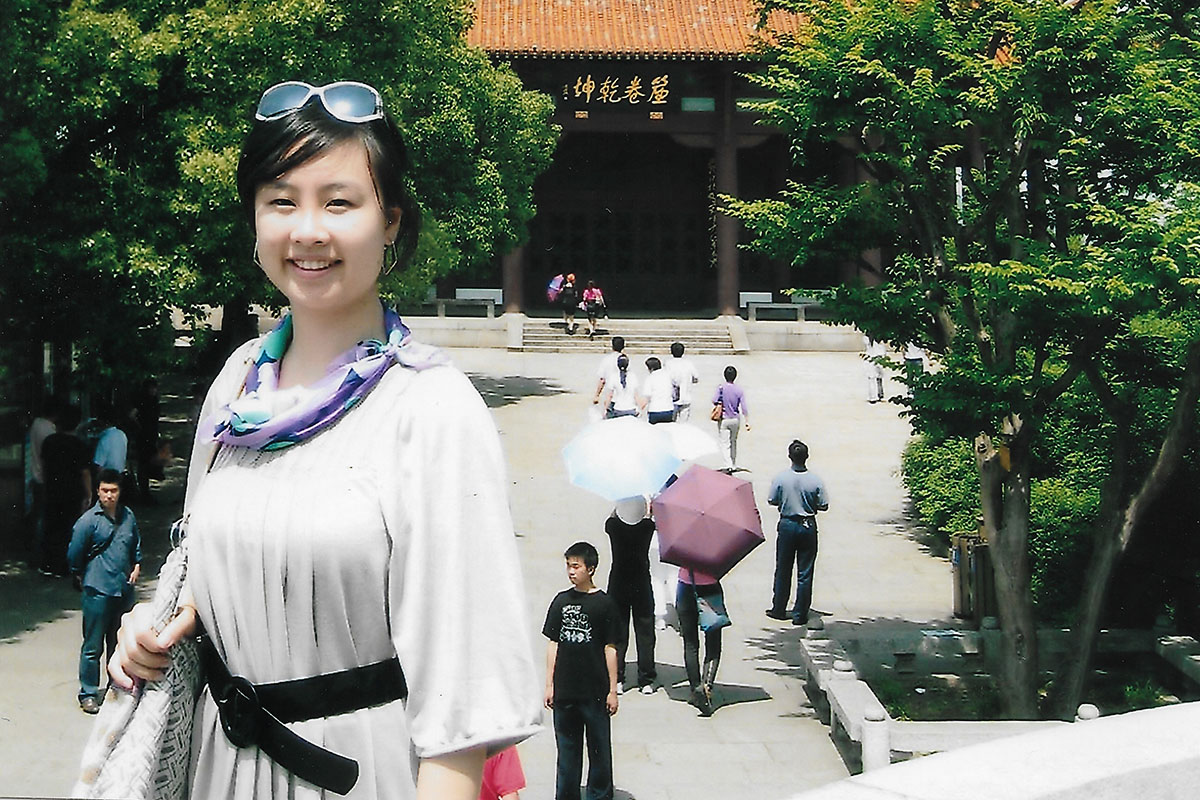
(387, 533)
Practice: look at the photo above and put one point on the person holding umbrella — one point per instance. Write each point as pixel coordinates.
(568, 296)
(700, 604)
(630, 529)
(799, 494)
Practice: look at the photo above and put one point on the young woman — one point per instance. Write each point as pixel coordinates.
(621, 391)
(593, 304)
(346, 504)
(697, 590)
(732, 401)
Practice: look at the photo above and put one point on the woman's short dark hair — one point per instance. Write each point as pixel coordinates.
(652, 363)
(730, 373)
(273, 147)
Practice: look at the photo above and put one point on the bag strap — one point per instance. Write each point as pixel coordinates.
(95, 552)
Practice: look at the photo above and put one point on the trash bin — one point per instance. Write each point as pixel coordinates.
(982, 580)
(960, 574)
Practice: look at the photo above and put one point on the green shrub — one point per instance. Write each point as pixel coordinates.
(943, 484)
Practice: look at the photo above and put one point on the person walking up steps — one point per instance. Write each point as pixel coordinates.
(798, 494)
(568, 295)
(581, 677)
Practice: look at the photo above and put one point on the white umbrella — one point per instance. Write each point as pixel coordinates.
(687, 441)
(622, 457)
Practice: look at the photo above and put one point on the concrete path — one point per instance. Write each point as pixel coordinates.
(763, 737)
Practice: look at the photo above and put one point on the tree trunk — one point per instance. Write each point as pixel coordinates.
(1112, 538)
(1004, 499)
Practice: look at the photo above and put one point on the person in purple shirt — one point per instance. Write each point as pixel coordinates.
(733, 412)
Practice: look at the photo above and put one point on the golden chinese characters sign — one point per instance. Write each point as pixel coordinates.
(593, 89)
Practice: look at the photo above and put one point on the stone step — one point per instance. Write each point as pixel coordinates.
(641, 338)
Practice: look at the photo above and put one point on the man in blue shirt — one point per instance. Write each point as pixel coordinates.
(106, 550)
(799, 494)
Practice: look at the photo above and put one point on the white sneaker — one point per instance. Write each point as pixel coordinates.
(660, 624)
(647, 689)
(620, 688)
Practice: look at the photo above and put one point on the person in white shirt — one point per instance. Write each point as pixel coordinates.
(873, 350)
(658, 395)
(683, 375)
(622, 391)
(608, 368)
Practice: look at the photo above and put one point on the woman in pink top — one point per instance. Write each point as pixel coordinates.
(593, 304)
(700, 604)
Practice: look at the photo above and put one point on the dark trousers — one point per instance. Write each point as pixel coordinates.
(796, 545)
(101, 618)
(689, 629)
(636, 602)
(573, 721)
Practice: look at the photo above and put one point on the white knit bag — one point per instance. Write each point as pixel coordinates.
(140, 747)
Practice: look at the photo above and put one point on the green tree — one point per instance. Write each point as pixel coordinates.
(129, 203)
(1025, 167)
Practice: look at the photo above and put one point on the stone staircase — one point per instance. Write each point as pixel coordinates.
(643, 337)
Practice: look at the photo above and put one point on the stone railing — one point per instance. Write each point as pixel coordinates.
(850, 707)
(1148, 755)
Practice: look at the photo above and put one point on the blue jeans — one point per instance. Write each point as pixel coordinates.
(573, 719)
(796, 545)
(101, 618)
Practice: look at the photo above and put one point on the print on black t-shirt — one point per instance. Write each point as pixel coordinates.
(582, 623)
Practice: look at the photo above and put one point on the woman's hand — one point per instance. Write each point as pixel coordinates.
(141, 653)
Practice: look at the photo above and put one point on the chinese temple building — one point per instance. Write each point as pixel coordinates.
(647, 97)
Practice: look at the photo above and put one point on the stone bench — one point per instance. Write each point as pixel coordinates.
(797, 309)
(746, 298)
(488, 298)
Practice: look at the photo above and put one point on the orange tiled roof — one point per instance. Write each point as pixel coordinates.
(701, 29)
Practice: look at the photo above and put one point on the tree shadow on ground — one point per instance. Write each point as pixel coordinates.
(498, 391)
(908, 525)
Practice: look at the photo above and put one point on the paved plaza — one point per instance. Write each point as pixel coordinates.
(764, 737)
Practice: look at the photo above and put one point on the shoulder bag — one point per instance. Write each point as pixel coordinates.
(718, 409)
(141, 743)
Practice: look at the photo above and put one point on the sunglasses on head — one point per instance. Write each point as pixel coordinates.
(349, 101)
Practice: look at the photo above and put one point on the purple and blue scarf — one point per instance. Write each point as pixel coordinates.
(252, 420)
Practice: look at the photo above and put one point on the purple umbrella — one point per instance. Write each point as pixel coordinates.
(553, 289)
(707, 520)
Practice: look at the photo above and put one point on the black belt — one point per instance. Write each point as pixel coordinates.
(803, 519)
(254, 716)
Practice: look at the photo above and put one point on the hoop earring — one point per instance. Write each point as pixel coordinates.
(257, 262)
(391, 258)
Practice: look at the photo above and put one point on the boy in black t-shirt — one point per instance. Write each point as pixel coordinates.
(581, 677)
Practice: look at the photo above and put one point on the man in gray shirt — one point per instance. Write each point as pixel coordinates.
(799, 494)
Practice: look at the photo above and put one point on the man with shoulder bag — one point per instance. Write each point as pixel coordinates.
(105, 555)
